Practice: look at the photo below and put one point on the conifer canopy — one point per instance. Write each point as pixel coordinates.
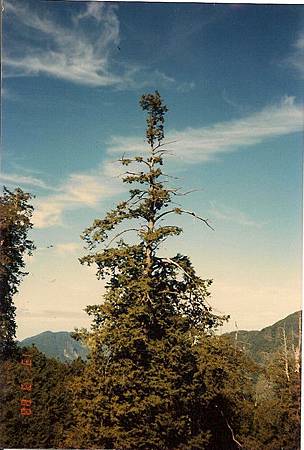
(141, 388)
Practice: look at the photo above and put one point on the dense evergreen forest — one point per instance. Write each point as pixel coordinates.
(158, 375)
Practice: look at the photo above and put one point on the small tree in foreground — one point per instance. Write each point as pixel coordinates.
(143, 386)
(15, 223)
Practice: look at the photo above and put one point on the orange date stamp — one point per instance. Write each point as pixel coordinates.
(26, 386)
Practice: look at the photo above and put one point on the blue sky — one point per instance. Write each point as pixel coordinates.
(232, 77)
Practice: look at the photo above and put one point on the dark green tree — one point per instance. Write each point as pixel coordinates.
(51, 401)
(15, 223)
(142, 388)
(225, 379)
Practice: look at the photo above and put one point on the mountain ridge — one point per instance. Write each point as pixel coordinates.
(57, 344)
(258, 344)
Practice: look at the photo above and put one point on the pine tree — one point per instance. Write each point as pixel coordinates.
(15, 223)
(141, 388)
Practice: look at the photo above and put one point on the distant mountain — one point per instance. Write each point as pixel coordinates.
(58, 345)
(259, 345)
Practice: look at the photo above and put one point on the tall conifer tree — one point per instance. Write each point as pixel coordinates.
(141, 388)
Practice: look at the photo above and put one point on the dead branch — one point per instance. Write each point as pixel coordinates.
(119, 234)
(162, 145)
(191, 278)
(188, 192)
(231, 430)
(186, 273)
(183, 211)
(170, 176)
(136, 174)
(164, 214)
(138, 194)
(297, 352)
(198, 217)
(285, 353)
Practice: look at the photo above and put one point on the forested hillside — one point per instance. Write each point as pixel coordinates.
(261, 345)
(58, 345)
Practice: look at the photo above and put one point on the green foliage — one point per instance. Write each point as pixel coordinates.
(143, 387)
(276, 420)
(261, 345)
(226, 376)
(51, 405)
(274, 423)
(59, 345)
(153, 104)
(157, 376)
(15, 223)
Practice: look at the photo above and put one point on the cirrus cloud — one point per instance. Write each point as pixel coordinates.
(296, 59)
(14, 179)
(78, 191)
(83, 50)
(202, 144)
(192, 145)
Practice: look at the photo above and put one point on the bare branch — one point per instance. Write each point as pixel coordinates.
(163, 152)
(285, 353)
(198, 217)
(173, 191)
(164, 214)
(119, 234)
(137, 174)
(177, 265)
(183, 211)
(188, 192)
(140, 194)
(156, 147)
(165, 143)
(297, 352)
(140, 197)
(191, 278)
(231, 430)
(170, 176)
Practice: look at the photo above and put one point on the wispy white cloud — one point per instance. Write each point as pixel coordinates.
(296, 59)
(83, 189)
(201, 144)
(21, 180)
(84, 51)
(48, 212)
(71, 53)
(228, 214)
(80, 190)
(193, 145)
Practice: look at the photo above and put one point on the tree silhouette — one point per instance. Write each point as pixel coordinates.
(15, 223)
